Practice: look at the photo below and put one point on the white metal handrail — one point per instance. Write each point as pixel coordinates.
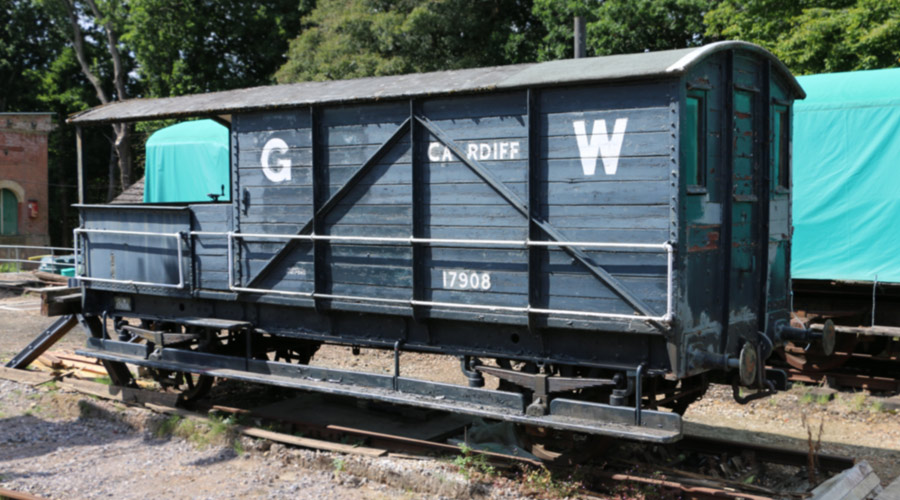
(179, 247)
(17, 251)
(667, 247)
(437, 241)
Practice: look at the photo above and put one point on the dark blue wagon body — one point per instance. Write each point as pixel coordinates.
(586, 217)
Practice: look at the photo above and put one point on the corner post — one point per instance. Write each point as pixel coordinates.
(80, 163)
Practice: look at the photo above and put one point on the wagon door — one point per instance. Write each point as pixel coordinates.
(745, 215)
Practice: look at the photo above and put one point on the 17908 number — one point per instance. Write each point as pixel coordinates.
(466, 280)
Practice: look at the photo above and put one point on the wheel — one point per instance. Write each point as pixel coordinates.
(299, 351)
(191, 386)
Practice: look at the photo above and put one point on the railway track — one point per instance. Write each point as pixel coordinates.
(695, 467)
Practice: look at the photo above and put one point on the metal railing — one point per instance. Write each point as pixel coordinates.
(667, 247)
(232, 236)
(178, 236)
(18, 251)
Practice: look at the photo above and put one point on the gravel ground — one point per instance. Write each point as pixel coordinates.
(59, 445)
(62, 446)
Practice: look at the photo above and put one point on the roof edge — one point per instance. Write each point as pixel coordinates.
(689, 60)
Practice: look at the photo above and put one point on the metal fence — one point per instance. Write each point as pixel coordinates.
(16, 258)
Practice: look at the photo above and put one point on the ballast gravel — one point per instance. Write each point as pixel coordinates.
(67, 446)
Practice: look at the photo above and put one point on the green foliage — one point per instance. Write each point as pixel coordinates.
(215, 431)
(622, 26)
(29, 45)
(357, 38)
(542, 480)
(339, 464)
(207, 45)
(815, 36)
(472, 464)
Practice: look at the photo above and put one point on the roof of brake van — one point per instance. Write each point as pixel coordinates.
(667, 63)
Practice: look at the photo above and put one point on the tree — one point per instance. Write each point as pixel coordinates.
(207, 45)
(815, 36)
(28, 44)
(106, 22)
(356, 38)
(622, 26)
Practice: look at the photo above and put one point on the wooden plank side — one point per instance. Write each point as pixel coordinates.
(629, 206)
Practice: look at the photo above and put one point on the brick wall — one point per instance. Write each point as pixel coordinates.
(23, 169)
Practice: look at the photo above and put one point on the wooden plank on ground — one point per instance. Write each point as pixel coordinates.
(855, 483)
(123, 394)
(25, 376)
(312, 443)
(317, 444)
(892, 492)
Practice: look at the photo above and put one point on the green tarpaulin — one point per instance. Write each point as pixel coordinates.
(846, 179)
(187, 162)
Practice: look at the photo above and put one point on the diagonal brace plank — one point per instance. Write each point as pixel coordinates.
(332, 202)
(554, 234)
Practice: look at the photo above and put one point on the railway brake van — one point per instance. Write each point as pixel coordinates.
(603, 235)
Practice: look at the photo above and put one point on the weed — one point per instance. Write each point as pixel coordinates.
(216, 431)
(858, 402)
(815, 447)
(338, 464)
(167, 427)
(806, 398)
(540, 479)
(237, 446)
(877, 406)
(103, 380)
(473, 464)
(823, 399)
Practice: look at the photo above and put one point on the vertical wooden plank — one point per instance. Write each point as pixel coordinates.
(535, 254)
(417, 228)
(319, 195)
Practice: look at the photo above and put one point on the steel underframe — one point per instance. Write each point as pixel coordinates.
(564, 414)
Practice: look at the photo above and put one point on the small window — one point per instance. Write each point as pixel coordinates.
(694, 143)
(781, 155)
(9, 213)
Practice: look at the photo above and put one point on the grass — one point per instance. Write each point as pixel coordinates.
(541, 479)
(339, 464)
(809, 398)
(473, 464)
(9, 267)
(877, 406)
(858, 402)
(215, 431)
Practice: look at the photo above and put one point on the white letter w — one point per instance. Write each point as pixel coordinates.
(608, 147)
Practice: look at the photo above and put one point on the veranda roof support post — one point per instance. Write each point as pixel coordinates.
(80, 163)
